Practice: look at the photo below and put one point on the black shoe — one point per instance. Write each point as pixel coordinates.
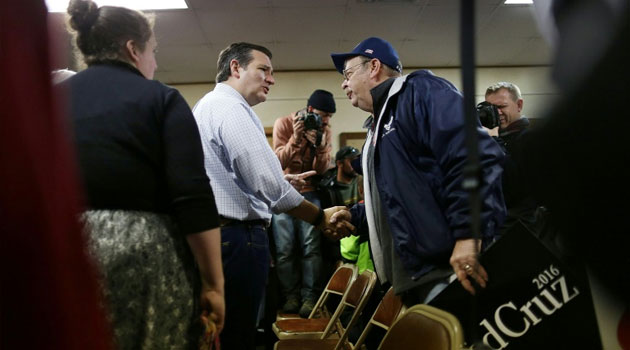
(291, 306)
(306, 308)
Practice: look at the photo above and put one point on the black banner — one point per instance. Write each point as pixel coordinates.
(532, 300)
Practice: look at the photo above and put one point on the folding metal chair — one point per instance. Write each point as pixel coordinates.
(386, 313)
(324, 327)
(338, 284)
(424, 327)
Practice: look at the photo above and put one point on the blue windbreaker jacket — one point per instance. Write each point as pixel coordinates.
(419, 158)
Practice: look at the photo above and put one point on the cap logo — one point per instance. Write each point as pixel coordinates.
(370, 51)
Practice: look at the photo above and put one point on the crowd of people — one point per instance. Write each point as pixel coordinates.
(184, 207)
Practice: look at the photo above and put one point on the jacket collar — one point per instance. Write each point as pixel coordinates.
(379, 95)
(394, 87)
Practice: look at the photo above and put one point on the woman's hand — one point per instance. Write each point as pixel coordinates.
(206, 248)
(213, 307)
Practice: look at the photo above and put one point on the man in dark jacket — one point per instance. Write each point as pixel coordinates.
(513, 125)
(413, 159)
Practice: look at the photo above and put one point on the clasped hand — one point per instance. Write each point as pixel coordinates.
(336, 223)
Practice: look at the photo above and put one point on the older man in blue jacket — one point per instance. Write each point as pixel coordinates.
(413, 159)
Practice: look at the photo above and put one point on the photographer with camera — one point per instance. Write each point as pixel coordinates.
(501, 112)
(501, 115)
(302, 142)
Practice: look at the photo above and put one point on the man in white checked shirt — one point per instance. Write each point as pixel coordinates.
(248, 184)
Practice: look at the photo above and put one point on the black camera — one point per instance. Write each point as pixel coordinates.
(488, 115)
(312, 121)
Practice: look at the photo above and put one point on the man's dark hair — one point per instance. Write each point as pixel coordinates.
(242, 53)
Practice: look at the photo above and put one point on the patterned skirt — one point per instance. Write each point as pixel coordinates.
(149, 279)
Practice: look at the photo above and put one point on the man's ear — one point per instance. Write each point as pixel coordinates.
(234, 69)
(375, 66)
(309, 109)
(132, 51)
(519, 103)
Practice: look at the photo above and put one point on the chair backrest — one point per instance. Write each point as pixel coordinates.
(356, 299)
(338, 284)
(386, 313)
(424, 327)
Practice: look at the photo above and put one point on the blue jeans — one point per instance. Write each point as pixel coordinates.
(246, 259)
(298, 244)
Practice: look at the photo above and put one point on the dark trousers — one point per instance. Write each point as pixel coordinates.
(246, 259)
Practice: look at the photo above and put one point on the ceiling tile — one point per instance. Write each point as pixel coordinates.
(308, 3)
(231, 25)
(291, 24)
(518, 21)
(187, 30)
(383, 20)
(292, 56)
(223, 4)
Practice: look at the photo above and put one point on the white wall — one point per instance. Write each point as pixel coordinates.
(292, 89)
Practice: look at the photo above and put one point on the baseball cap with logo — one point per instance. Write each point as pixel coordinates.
(372, 47)
(346, 152)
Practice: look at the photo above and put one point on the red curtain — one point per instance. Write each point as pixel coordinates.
(49, 294)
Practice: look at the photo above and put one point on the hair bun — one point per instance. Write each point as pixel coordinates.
(83, 14)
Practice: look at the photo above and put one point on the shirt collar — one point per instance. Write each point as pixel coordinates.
(228, 90)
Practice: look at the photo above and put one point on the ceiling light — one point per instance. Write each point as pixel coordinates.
(518, 2)
(62, 5)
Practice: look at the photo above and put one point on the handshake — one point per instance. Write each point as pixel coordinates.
(336, 222)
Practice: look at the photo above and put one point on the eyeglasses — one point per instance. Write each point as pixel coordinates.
(347, 73)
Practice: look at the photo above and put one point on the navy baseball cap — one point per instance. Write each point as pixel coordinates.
(346, 152)
(373, 48)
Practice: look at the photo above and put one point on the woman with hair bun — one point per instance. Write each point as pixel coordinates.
(151, 218)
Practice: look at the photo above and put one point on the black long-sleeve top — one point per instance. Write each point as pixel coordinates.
(139, 147)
